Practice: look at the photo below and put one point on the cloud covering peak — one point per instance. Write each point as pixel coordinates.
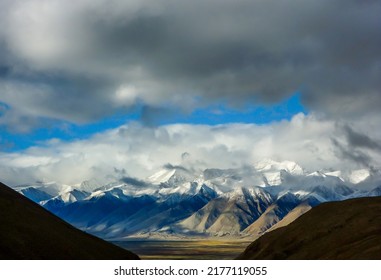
(134, 151)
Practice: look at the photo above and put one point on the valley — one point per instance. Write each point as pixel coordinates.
(185, 250)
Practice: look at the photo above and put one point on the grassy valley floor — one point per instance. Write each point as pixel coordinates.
(185, 250)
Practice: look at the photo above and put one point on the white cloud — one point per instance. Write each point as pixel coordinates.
(126, 94)
(140, 150)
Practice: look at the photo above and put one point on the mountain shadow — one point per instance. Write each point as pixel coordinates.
(343, 230)
(28, 231)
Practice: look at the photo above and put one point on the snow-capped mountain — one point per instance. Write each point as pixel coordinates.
(51, 188)
(274, 173)
(70, 196)
(34, 194)
(176, 201)
(171, 176)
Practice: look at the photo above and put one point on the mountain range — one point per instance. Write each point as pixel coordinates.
(177, 202)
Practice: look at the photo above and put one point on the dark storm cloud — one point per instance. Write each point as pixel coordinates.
(120, 172)
(152, 116)
(133, 181)
(356, 147)
(4, 71)
(185, 156)
(77, 99)
(112, 55)
(355, 156)
(171, 167)
(356, 139)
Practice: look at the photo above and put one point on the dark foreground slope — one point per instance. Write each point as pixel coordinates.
(336, 230)
(27, 231)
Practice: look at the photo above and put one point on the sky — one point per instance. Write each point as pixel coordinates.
(95, 88)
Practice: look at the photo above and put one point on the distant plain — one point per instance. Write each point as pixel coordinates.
(185, 250)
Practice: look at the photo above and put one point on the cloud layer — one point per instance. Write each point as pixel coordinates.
(133, 152)
(84, 60)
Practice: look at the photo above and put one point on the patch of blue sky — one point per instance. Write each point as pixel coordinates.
(259, 114)
(213, 115)
(11, 141)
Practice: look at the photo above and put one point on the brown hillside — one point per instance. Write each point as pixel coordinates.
(336, 230)
(28, 231)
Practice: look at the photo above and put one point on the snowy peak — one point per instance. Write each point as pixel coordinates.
(358, 176)
(50, 188)
(115, 193)
(89, 185)
(34, 194)
(65, 198)
(161, 176)
(317, 174)
(73, 196)
(171, 176)
(249, 193)
(269, 165)
(276, 173)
